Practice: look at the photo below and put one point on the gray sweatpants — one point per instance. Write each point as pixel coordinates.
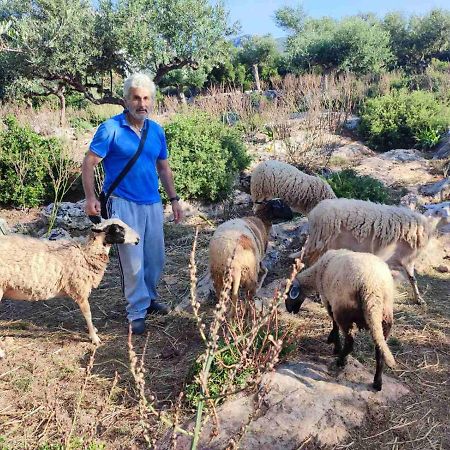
(141, 265)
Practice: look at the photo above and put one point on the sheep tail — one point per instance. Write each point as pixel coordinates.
(236, 282)
(372, 306)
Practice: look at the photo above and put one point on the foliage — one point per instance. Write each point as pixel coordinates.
(349, 184)
(353, 44)
(259, 53)
(25, 179)
(416, 40)
(205, 154)
(226, 357)
(402, 119)
(61, 44)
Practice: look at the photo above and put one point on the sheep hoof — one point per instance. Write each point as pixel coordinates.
(377, 385)
(95, 340)
(421, 301)
(337, 350)
(341, 362)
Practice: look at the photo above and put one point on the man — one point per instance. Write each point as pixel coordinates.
(136, 199)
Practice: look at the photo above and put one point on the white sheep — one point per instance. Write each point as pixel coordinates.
(276, 179)
(355, 288)
(395, 234)
(34, 269)
(243, 243)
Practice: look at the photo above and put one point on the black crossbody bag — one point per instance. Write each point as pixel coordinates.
(103, 197)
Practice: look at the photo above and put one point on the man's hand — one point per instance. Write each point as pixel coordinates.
(177, 211)
(92, 207)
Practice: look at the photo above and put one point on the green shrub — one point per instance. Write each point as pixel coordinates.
(349, 184)
(25, 165)
(205, 156)
(402, 119)
(225, 361)
(81, 124)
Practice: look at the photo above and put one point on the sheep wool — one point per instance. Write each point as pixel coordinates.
(33, 269)
(43, 269)
(244, 241)
(382, 224)
(276, 179)
(347, 281)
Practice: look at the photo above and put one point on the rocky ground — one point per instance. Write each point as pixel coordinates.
(55, 390)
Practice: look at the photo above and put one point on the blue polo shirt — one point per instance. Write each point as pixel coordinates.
(116, 143)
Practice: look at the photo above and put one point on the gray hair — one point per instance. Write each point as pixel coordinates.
(139, 80)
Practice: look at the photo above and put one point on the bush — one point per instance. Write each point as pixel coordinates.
(205, 156)
(25, 180)
(402, 120)
(349, 184)
(225, 360)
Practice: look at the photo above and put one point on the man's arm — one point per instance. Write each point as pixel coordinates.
(166, 177)
(92, 206)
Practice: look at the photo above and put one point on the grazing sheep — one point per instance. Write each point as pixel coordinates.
(244, 241)
(276, 179)
(34, 269)
(355, 288)
(395, 234)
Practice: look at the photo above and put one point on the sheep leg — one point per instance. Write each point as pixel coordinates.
(413, 281)
(378, 379)
(348, 348)
(263, 277)
(86, 311)
(333, 337)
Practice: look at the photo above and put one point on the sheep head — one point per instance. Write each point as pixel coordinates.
(116, 232)
(438, 215)
(295, 298)
(274, 209)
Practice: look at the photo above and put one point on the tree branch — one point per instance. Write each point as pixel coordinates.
(177, 63)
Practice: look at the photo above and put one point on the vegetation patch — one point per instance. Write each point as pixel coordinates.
(404, 119)
(205, 154)
(349, 184)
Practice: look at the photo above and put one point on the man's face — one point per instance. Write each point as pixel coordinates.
(138, 102)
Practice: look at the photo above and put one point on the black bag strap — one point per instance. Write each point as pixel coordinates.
(130, 163)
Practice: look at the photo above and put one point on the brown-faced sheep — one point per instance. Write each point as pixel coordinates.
(395, 234)
(34, 269)
(276, 179)
(356, 288)
(243, 242)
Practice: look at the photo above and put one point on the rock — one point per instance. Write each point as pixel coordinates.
(403, 155)
(442, 151)
(58, 233)
(4, 229)
(205, 291)
(302, 401)
(354, 152)
(352, 123)
(438, 209)
(443, 268)
(70, 216)
(411, 201)
(439, 190)
(406, 168)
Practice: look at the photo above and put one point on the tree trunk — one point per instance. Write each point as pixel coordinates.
(181, 97)
(256, 76)
(62, 106)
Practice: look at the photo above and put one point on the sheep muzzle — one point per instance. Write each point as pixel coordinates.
(294, 299)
